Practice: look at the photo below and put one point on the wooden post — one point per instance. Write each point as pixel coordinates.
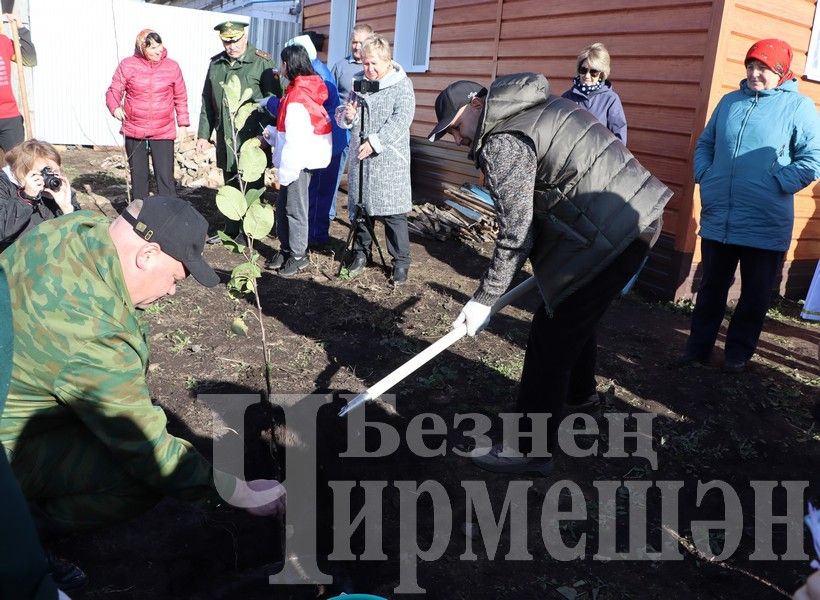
(21, 76)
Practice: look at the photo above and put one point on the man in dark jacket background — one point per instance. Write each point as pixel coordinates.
(573, 200)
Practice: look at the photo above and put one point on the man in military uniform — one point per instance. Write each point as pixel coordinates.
(84, 440)
(254, 69)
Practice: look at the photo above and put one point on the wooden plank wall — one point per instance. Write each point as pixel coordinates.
(671, 61)
(316, 17)
(380, 14)
(657, 57)
(745, 22)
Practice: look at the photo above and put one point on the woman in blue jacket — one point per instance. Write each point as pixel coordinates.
(760, 147)
(592, 89)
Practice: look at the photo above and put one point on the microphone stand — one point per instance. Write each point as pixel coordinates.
(360, 215)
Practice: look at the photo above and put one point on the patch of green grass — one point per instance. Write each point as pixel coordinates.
(402, 344)
(788, 311)
(683, 306)
(440, 376)
(157, 308)
(191, 382)
(744, 447)
(509, 368)
(179, 339)
(310, 349)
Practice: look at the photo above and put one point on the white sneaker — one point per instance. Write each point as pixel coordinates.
(491, 461)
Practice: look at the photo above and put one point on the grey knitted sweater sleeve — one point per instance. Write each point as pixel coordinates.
(508, 163)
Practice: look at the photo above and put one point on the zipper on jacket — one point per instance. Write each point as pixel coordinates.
(732, 170)
(569, 231)
(773, 166)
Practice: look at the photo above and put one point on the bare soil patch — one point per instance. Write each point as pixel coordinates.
(331, 335)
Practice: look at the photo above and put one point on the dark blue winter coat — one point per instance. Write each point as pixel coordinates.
(757, 151)
(605, 104)
(339, 134)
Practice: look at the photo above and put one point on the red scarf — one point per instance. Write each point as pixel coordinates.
(775, 54)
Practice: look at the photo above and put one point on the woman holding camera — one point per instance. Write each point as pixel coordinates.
(32, 189)
(388, 104)
(154, 90)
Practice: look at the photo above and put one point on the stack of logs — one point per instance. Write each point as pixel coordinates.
(468, 213)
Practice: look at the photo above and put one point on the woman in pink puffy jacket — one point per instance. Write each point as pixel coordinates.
(154, 89)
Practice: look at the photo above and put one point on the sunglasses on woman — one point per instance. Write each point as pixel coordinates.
(585, 70)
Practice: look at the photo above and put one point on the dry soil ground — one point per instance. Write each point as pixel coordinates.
(332, 335)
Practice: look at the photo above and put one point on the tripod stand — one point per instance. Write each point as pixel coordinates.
(360, 216)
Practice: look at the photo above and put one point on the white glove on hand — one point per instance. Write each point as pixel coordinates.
(475, 315)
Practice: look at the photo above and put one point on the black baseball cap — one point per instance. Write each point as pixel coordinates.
(180, 231)
(450, 101)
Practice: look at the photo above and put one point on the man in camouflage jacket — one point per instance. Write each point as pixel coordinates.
(84, 440)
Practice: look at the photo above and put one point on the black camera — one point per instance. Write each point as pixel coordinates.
(364, 86)
(51, 180)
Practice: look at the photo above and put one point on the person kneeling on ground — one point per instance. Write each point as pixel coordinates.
(82, 436)
(573, 200)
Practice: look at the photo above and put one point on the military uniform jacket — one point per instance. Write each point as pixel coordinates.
(254, 69)
(80, 356)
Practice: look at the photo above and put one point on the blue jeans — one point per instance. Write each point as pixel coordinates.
(322, 195)
(339, 175)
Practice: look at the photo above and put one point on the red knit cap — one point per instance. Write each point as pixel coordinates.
(775, 54)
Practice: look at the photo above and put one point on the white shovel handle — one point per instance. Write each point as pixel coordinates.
(432, 350)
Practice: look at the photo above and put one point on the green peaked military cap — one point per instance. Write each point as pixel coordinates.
(231, 30)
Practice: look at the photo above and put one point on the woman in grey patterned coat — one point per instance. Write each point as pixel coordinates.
(384, 155)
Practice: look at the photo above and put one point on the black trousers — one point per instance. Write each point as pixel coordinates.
(162, 157)
(397, 234)
(758, 271)
(12, 132)
(559, 364)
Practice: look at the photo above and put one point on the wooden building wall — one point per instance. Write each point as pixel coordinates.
(671, 61)
(742, 23)
(659, 52)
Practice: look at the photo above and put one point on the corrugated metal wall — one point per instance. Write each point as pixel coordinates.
(74, 69)
(270, 35)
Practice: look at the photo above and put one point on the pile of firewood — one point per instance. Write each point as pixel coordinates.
(192, 169)
(468, 214)
(195, 169)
